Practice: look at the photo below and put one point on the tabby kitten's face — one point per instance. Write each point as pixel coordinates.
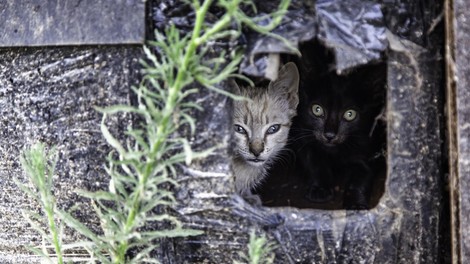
(262, 123)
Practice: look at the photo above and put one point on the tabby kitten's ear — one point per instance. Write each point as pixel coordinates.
(287, 84)
(235, 89)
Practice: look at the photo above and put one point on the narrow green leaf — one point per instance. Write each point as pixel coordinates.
(242, 77)
(110, 139)
(98, 195)
(77, 225)
(150, 56)
(78, 245)
(132, 156)
(223, 92)
(40, 253)
(205, 153)
(34, 224)
(118, 109)
(191, 105)
(149, 206)
(178, 232)
(189, 120)
(187, 151)
(163, 217)
(27, 190)
(143, 254)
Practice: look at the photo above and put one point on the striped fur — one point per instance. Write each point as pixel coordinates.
(266, 108)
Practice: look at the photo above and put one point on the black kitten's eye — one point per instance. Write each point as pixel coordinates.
(239, 129)
(317, 110)
(350, 115)
(273, 129)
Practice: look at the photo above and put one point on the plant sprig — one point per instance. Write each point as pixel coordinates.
(260, 250)
(134, 211)
(39, 166)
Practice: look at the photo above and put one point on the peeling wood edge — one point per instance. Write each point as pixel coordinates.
(75, 43)
(452, 131)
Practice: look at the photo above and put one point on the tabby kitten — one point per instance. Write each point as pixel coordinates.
(262, 126)
(332, 134)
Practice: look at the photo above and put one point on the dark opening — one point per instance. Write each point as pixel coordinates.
(311, 174)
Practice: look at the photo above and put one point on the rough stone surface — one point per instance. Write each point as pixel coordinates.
(354, 31)
(461, 43)
(48, 95)
(71, 22)
(415, 158)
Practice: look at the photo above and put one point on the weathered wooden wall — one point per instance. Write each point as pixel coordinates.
(403, 228)
(458, 68)
(409, 223)
(48, 93)
(71, 22)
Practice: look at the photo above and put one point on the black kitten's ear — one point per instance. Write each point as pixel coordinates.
(372, 80)
(371, 77)
(287, 84)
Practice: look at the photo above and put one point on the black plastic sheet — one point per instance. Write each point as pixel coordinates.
(354, 30)
(414, 20)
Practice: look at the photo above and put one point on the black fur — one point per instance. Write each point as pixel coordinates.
(344, 158)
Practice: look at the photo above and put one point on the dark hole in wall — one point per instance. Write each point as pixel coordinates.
(289, 182)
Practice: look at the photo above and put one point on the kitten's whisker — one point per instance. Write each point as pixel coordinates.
(295, 139)
(282, 156)
(302, 130)
(301, 147)
(352, 145)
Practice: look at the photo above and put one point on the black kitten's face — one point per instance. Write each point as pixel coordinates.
(332, 124)
(334, 113)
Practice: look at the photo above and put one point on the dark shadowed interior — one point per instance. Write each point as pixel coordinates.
(286, 185)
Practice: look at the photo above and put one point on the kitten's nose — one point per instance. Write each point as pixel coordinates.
(256, 147)
(330, 135)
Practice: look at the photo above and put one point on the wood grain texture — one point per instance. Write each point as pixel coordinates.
(461, 64)
(71, 22)
(48, 94)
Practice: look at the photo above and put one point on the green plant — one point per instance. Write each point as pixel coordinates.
(40, 166)
(260, 251)
(142, 164)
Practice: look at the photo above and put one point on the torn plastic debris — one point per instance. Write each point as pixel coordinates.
(354, 30)
(414, 20)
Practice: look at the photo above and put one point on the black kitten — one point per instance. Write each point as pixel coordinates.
(332, 134)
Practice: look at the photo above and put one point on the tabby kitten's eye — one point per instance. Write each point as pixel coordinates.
(273, 129)
(239, 129)
(317, 110)
(350, 115)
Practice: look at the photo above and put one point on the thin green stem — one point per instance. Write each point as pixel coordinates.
(193, 44)
(47, 199)
(221, 24)
(123, 246)
(162, 129)
(174, 90)
(55, 236)
(35, 163)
